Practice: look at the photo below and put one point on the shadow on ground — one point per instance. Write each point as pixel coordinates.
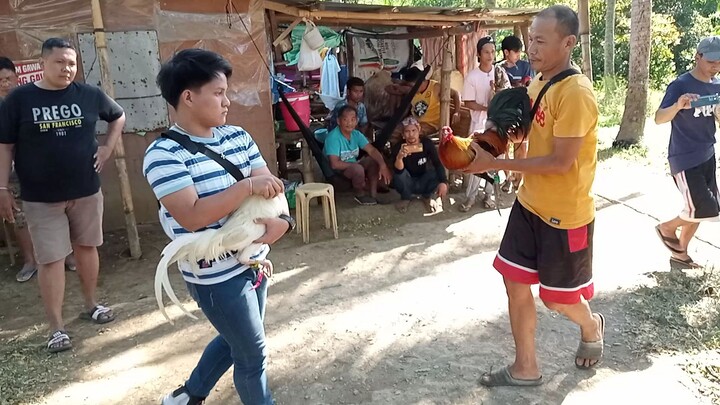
(367, 318)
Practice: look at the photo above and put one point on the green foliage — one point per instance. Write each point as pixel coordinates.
(611, 92)
(671, 53)
(663, 40)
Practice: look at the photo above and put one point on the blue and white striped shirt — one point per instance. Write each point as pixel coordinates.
(169, 167)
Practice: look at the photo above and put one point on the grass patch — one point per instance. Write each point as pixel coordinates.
(28, 372)
(680, 314)
(611, 92)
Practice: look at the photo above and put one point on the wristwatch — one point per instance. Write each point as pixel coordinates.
(290, 220)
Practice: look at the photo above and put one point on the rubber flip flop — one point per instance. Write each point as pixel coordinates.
(503, 378)
(667, 240)
(591, 350)
(689, 263)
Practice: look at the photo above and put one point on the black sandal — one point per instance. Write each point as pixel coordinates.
(100, 315)
(59, 341)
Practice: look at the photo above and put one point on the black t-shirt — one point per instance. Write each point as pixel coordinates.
(417, 163)
(54, 136)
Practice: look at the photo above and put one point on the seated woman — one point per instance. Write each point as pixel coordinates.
(412, 174)
(342, 147)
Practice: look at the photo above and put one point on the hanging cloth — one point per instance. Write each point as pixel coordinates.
(329, 81)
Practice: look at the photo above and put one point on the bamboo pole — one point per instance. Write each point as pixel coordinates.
(447, 68)
(344, 22)
(272, 22)
(287, 31)
(420, 33)
(125, 191)
(525, 28)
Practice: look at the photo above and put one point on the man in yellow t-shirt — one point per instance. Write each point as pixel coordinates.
(425, 105)
(548, 239)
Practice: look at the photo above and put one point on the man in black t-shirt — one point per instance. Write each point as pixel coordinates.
(48, 127)
(412, 174)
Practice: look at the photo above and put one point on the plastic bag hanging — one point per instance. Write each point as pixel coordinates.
(312, 36)
(308, 59)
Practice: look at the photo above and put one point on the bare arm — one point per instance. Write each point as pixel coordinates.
(338, 164)
(399, 162)
(114, 131)
(664, 115)
(456, 100)
(563, 156)
(6, 157)
(385, 173)
(7, 201)
(193, 213)
(396, 89)
(471, 104)
(375, 154)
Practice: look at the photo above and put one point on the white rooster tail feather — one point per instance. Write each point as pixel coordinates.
(162, 279)
(238, 233)
(160, 274)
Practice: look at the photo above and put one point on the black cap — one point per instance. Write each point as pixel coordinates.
(484, 41)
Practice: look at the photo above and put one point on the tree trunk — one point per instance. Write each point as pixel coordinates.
(584, 17)
(634, 116)
(490, 3)
(610, 39)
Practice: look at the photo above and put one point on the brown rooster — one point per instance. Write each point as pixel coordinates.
(508, 115)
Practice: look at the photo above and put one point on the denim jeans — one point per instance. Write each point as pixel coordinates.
(407, 185)
(236, 309)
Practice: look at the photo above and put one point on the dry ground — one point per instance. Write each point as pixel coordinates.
(401, 309)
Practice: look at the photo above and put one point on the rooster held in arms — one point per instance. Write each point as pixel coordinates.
(237, 235)
(508, 116)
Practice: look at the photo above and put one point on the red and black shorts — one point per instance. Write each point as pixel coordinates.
(560, 260)
(699, 189)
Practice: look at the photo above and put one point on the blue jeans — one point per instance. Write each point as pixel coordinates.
(236, 310)
(407, 185)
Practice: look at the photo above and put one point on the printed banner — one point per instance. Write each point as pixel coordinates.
(28, 71)
(371, 54)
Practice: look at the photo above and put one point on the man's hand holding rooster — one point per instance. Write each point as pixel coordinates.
(483, 161)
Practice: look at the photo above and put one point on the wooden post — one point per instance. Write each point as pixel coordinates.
(516, 30)
(103, 60)
(307, 162)
(584, 17)
(447, 67)
(524, 28)
(272, 21)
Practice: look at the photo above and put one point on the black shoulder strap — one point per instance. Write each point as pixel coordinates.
(194, 147)
(558, 77)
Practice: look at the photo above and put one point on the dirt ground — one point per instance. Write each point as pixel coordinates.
(401, 309)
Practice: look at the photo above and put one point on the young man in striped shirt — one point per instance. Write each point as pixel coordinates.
(196, 193)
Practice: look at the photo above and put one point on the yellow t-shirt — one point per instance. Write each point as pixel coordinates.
(568, 110)
(425, 106)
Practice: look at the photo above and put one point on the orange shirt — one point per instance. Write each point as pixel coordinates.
(568, 110)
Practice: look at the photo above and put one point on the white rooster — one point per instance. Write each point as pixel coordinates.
(236, 235)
